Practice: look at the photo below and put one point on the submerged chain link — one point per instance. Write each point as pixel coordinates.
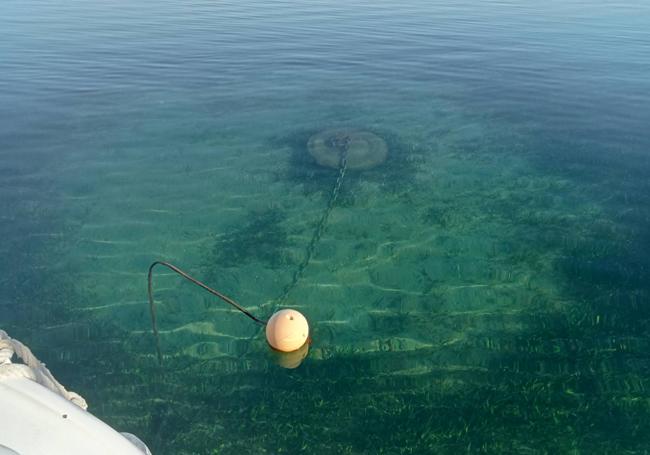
(320, 227)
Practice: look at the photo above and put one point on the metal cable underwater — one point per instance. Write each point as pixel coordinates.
(318, 232)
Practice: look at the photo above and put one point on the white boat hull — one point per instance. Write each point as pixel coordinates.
(37, 421)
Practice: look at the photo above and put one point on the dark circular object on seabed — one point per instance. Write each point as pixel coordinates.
(365, 150)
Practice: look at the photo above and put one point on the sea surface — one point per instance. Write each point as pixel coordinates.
(485, 289)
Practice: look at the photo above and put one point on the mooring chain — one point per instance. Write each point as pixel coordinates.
(343, 145)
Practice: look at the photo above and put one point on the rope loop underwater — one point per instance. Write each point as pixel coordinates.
(152, 307)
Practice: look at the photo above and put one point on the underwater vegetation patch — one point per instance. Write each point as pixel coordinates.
(610, 277)
(443, 214)
(261, 238)
(421, 401)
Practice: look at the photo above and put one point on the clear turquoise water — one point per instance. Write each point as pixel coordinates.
(485, 290)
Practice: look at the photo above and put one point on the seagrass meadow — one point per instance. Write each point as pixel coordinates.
(485, 288)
